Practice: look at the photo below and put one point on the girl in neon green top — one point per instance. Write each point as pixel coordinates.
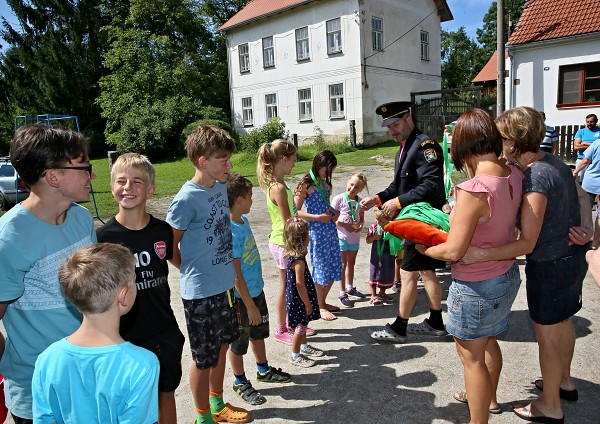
(276, 160)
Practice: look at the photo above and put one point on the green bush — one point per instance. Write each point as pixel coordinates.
(272, 130)
(154, 129)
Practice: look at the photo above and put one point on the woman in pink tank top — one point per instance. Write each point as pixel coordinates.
(481, 294)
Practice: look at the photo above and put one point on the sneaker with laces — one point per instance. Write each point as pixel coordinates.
(274, 375)
(248, 393)
(355, 293)
(283, 337)
(302, 361)
(345, 301)
(311, 351)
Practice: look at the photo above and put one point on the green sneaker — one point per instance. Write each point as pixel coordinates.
(274, 375)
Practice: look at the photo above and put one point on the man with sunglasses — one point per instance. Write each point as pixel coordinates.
(36, 236)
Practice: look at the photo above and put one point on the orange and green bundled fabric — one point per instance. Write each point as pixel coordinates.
(419, 223)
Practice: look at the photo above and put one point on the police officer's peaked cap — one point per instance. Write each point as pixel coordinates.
(392, 112)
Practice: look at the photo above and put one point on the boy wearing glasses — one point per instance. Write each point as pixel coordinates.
(36, 237)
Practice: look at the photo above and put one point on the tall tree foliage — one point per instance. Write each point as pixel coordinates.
(486, 36)
(161, 64)
(460, 59)
(53, 61)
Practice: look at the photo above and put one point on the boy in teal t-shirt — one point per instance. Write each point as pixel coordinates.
(253, 314)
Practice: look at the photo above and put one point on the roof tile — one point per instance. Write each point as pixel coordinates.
(489, 72)
(257, 8)
(550, 19)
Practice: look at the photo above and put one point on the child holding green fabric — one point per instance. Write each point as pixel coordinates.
(381, 274)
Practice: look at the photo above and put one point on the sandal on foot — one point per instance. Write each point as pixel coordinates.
(376, 301)
(568, 395)
(461, 396)
(535, 415)
(327, 315)
(232, 414)
(248, 393)
(274, 375)
(423, 328)
(386, 298)
(386, 334)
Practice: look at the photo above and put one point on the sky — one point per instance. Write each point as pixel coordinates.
(467, 13)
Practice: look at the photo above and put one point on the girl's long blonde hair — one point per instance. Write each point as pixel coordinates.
(269, 155)
(363, 180)
(295, 235)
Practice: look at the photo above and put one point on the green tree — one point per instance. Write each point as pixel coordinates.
(53, 60)
(486, 36)
(460, 59)
(161, 58)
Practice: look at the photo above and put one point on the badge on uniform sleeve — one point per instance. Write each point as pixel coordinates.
(430, 155)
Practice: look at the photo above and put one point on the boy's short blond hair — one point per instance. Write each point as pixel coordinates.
(93, 275)
(208, 141)
(135, 161)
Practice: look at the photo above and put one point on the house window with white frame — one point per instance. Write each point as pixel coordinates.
(336, 101)
(302, 44)
(247, 115)
(424, 45)
(271, 105)
(377, 33)
(268, 52)
(244, 54)
(579, 84)
(304, 104)
(334, 36)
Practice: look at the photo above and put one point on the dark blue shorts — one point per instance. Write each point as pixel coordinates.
(211, 322)
(554, 287)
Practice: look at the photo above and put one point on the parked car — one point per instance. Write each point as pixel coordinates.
(8, 185)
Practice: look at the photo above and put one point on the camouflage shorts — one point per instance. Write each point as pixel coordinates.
(211, 322)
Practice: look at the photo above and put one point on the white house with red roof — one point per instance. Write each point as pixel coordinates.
(326, 63)
(553, 60)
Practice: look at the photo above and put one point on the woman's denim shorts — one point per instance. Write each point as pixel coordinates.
(554, 287)
(482, 308)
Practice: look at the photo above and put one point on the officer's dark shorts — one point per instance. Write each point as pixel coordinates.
(211, 323)
(554, 287)
(168, 351)
(251, 332)
(415, 261)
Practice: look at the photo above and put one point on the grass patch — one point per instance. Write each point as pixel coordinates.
(170, 175)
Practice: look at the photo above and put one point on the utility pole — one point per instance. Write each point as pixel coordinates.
(500, 102)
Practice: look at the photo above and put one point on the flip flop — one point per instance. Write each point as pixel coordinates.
(568, 395)
(332, 308)
(535, 415)
(326, 315)
(461, 396)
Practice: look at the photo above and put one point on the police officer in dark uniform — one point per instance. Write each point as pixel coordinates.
(418, 177)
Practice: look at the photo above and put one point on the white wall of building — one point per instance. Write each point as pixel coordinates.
(390, 75)
(537, 65)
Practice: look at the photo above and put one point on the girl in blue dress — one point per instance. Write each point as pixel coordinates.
(300, 294)
(314, 190)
